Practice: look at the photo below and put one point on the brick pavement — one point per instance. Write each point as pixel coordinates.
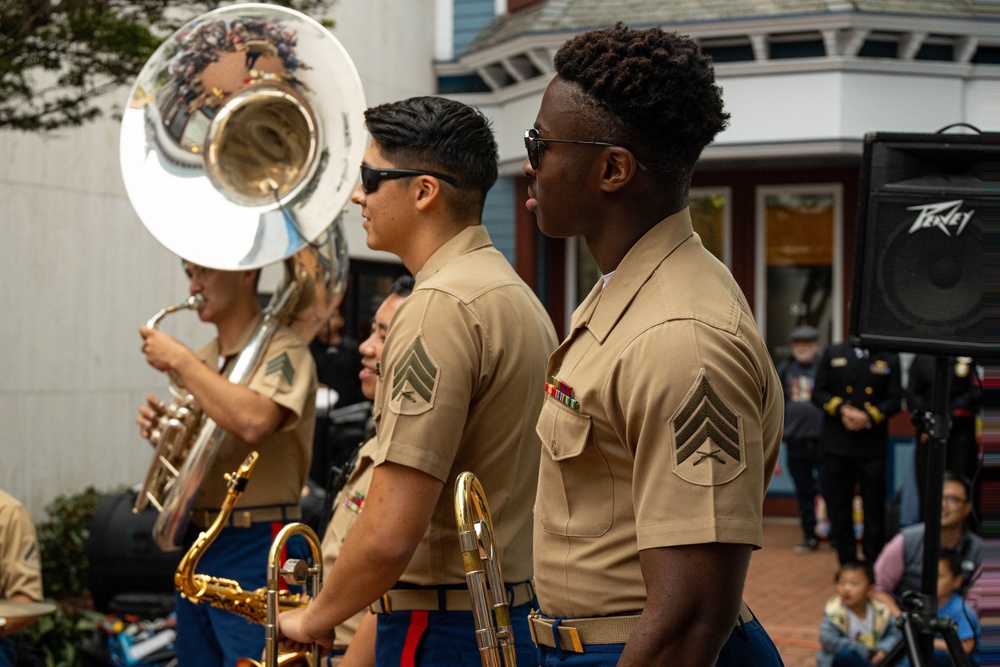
(787, 590)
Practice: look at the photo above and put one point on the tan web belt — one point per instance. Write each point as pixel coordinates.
(429, 599)
(575, 633)
(247, 517)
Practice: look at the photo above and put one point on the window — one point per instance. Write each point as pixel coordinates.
(798, 263)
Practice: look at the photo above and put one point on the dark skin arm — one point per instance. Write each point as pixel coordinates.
(693, 595)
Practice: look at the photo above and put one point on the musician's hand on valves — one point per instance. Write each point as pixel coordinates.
(163, 351)
(291, 629)
(149, 414)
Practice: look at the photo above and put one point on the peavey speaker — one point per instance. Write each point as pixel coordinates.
(926, 262)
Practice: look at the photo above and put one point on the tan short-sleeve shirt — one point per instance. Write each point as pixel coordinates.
(20, 558)
(346, 509)
(663, 429)
(286, 374)
(455, 393)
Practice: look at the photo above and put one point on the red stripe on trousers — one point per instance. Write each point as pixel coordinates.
(418, 624)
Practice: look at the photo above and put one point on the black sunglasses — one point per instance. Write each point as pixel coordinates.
(532, 140)
(371, 177)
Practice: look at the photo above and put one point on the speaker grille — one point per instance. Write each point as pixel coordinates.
(926, 278)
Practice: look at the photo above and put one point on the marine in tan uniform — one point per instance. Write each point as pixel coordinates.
(662, 411)
(356, 635)
(274, 414)
(454, 394)
(20, 569)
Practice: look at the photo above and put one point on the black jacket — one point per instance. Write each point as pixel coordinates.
(871, 384)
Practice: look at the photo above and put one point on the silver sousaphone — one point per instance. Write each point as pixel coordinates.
(240, 146)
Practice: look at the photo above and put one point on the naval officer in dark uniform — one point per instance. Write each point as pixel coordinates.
(858, 391)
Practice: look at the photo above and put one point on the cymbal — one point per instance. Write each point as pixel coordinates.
(18, 609)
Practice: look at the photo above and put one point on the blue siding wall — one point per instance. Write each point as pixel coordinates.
(470, 17)
(498, 216)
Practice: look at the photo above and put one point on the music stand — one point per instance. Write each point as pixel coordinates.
(919, 620)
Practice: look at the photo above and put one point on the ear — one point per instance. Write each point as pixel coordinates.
(619, 169)
(427, 192)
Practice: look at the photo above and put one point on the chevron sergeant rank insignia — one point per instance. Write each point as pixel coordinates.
(414, 380)
(706, 437)
(281, 365)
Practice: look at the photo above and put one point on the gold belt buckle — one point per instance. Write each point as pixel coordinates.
(532, 616)
(386, 605)
(574, 637)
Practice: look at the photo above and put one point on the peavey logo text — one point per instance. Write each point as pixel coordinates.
(941, 215)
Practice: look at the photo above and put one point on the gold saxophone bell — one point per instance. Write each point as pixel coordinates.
(490, 609)
(263, 605)
(239, 149)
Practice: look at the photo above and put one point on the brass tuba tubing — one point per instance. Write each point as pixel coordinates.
(172, 429)
(193, 302)
(483, 575)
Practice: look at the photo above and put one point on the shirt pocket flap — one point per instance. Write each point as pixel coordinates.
(564, 432)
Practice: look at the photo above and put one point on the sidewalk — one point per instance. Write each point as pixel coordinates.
(787, 590)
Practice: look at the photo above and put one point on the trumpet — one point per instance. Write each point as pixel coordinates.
(490, 610)
(263, 605)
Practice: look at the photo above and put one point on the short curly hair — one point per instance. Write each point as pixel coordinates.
(651, 91)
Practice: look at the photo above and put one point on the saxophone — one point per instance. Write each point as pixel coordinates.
(263, 605)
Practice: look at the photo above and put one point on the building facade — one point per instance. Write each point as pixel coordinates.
(775, 196)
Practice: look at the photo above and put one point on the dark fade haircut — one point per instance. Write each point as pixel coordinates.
(650, 91)
(954, 561)
(402, 286)
(856, 566)
(442, 135)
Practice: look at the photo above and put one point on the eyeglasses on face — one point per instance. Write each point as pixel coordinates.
(953, 500)
(532, 141)
(372, 176)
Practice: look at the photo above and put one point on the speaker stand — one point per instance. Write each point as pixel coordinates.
(919, 621)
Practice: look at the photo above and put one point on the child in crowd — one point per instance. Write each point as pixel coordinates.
(951, 605)
(856, 629)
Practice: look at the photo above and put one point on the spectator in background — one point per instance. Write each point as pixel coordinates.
(803, 424)
(857, 629)
(964, 402)
(858, 391)
(899, 567)
(20, 570)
